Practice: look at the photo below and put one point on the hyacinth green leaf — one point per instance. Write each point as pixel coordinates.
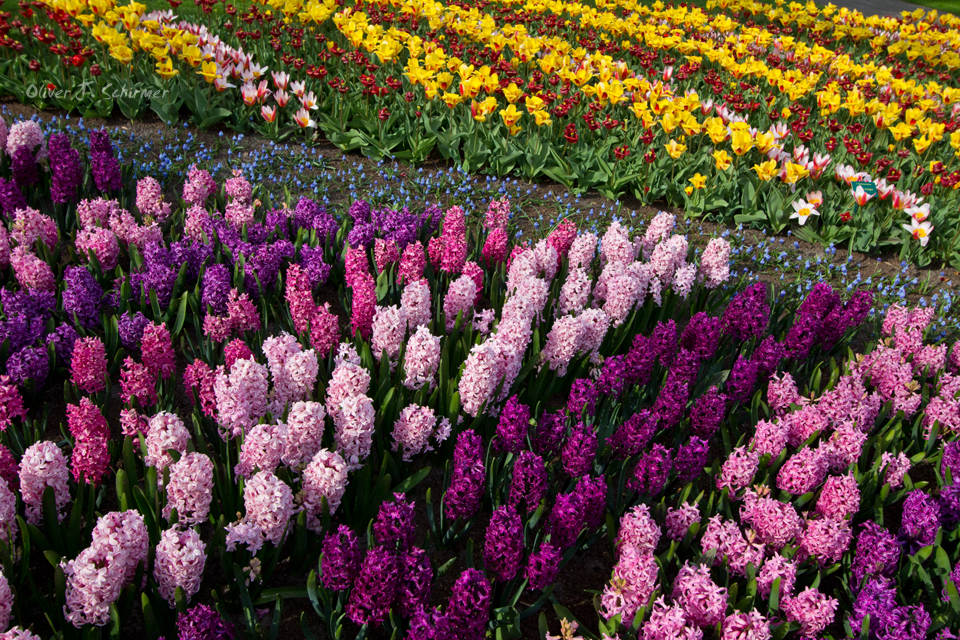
(149, 617)
(275, 622)
(115, 622)
(51, 522)
(865, 627)
(773, 602)
(305, 627)
(412, 481)
(542, 626)
(954, 595)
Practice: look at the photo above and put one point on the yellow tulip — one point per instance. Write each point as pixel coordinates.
(452, 99)
(764, 141)
(510, 115)
(921, 144)
(675, 149)
(512, 93)
(722, 159)
(121, 53)
(165, 69)
(698, 181)
(542, 118)
(766, 170)
(741, 142)
(209, 72)
(795, 172)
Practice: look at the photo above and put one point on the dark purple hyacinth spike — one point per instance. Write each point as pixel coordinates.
(877, 553)
(31, 303)
(430, 624)
(24, 168)
(469, 607)
(633, 434)
(690, 459)
(650, 475)
(747, 314)
(103, 162)
(21, 331)
(707, 413)
(950, 459)
(216, 289)
(671, 403)
(512, 427)
(311, 259)
(640, 360)
(394, 526)
(462, 498)
(701, 335)
(529, 482)
(341, 559)
(580, 450)
(550, 431)
(202, 622)
(130, 327)
(686, 366)
(583, 396)
(82, 297)
(807, 322)
(566, 520)
(11, 198)
(416, 581)
(63, 340)
(503, 543)
(921, 518)
(543, 566)
(375, 588)
(614, 376)
(664, 342)
(767, 357)
(742, 381)
(65, 168)
(592, 493)
(842, 318)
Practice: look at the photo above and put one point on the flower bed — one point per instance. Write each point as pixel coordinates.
(255, 387)
(772, 116)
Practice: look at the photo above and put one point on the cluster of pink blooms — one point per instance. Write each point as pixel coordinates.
(11, 402)
(308, 317)
(415, 427)
(416, 304)
(459, 299)
(137, 382)
(389, 330)
(421, 359)
(261, 450)
(43, 465)
(453, 239)
(268, 502)
(190, 489)
(102, 243)
(385, 253)
(364, 290)
(635, 574)
(29, 226)
(241, 396)
(91, 455)
(180, 559)
(165, 432)
(496, 220)
(241, 316)
(199, 186)
(303, 433)
(31, 272)
(6, 602)
(679, 520)
(412, 263)
(324, 478)
(157, 349)
(88, 366)
(150, 200)
(239, 210)
(294, 371)
(8, 513)
(703, 601)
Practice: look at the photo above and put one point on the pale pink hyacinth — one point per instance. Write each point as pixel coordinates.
(634, 581)
(679, 520)
(261, 450)
(190, 489)
(769, 439)
(454, 238)
(305, 426)
(776, 523)
(123, 534)
(29, 225)
(582, 251)
(43, 465)
(547, 258)
(421, 360)
(702, 600)
(803, 472)
(813, 610)
(241, 396)
(750, 625)
(482, 374)
(324, 477)
(894, 468)
(669, 623)
(415, 303)
(293, 370)
(180, 559)
(27, 133)
(196, 224)
(616, 246)
(239, 214)
(622, 295)
(150, 199)
(575, 292)
(825, 539)
(165, 431)
(459, 299)
(564, 341)
(31, 272)
(595, 324)
(483, 321)
(8, 513)
(18, 633)
(96, 212)
(738, 470)
(353, 429)
(638, 530)
(268, 502)
(349, 379)
(782, 392)
(6, 602)
(102, 243)
(661, 228)
(839, 498)
(389, 331)
(199, 186)
(683, 280)
(725, 538)
(94, 580)
(414, 428)
(667, 257)
(777, 567)
(715, 263)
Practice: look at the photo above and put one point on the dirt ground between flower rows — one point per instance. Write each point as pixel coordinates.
(588, 571)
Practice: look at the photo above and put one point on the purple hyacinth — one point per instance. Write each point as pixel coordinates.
(707, 413)
(640, 360)
(416, 582)
(82, 297)
(767, 357)
(686, 366)
(690, 459)
(543, 566)
(341, 559)
(580, 450)
(21, 331)
(24, 168)
(921, 518)
(877, 553)
(566, 520)
(216, 289)
(512, 427)
(664, 342)
(747, 314)
(671, 403)
(103, 162)
(362, 234)
(193, 254)
(877, 598)
(394, 525)
(375, 587)
(430, 624)
(30, 303)
(592, 493)
(29, 363)
(529, 483)
(701, 335)
(462, 498)
(804, 333)
(276, 222)
(359, 211)
(503, 543)
(583, 396)
(633, 435)
(11, 198)
(469, 605)
(742, 381)
(66, 171)
(650, 475)
(613, 377)
(950, 459)
(130, 327)
(203, 623)
(311, 259)
(63, 339)
(949, 501)
(550, 431)
(844, 317)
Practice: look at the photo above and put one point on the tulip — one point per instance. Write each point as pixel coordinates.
(269, 113)
(919, 213)
(803, 210)
(861, 196)
(919, 230)
(302, 118)
(249, 93)
(309, 100)
(281, 97)
(280, 80)
(675, 149)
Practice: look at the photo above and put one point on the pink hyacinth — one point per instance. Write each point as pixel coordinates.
(804, 471)
(679, 520)
(27, 133)
(660, 229)
(241, 396)
(324, 331)
(300, 298)
(305, 425)
(726, 540)
(243, 533)
(547, 259)
(199, 186)
(385, 253)
(421, 360)
(94, 582)
(634, 581)
(389, 331)
(482, 321)
(43, 465)
(498, 214)
(31, 272)
(150, 199)
(137, 382)
(777, 567)
(595, 324)
(459, 299)
(782, 392)
(412, 263)
(261, 450)
(4, 247)
(269, 505)
(102, 243)
(96, 212)
(564, 341)
(496, 247)
(364, 303)
(18, 633)
(414, 428)
(124, 536)
(813, 610)
(703, 602)
(197, 224)
(190, 489)
(6, 602)
(132, 423)
(839, 498)
(746, 626)
(844, 447)
(622, 294)
(638, 530)
(165, 431)
(669, 623)
(738, 470)
(475, 272)
(180, 559)
(325, 477)
(582, 251)
(575, 292)
(242, 313)
(237, 187)
(482, 374)
(802, 424)
(684, 279)
(616, 246)
(11, 403)
(88, 366)
(776, 523)
(895, 468)
(349, 379)
(435, 252)
(90, 432)
(353, 429)
(157, 348)
(9, 528)
(235, 350)
(200, 378)
(29, 226)
(769, 439)
(562, 237)
(239, 214)
(826, 539)
(715, 263)
(293, 370)
(415, 303)
(668, 256)
(454, 238)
